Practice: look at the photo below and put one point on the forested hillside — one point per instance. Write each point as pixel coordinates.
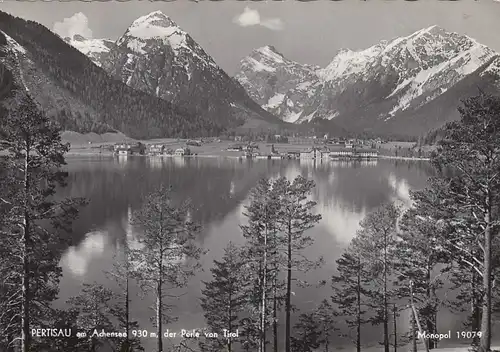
(81, 96)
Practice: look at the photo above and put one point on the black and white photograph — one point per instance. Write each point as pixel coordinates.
(250, 176)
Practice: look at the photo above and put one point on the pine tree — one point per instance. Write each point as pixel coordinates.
(326, 315)
(295, 216)
(93, 314)
(307, 335)
(122, 274)
(469, 195)
(224, 297)
(376, 241)
(250, 334)
(277, 284)
(34, 224)
(169, 256)
(418, 253)
(259, 233)
(349, 290)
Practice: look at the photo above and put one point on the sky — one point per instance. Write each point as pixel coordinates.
(307, 32)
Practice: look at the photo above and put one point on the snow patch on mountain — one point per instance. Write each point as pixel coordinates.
(414, 87)
(137, 46)
(457, 67)
(493, 68)
(155, 25)
(259, 66)
(95, 49)
(334, 115)
(275, 101)
(304, 85)
(144, 30)
(292, 117)
(307, 118)
(348, 62)
(90, 46)
(13, 44)
(270, 52)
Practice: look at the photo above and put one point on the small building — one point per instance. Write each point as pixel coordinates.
(293, 154)
(353, 153)
(182, 152)
(156, 149)
(307, 154)
(324, 154)
(313, 153)
(123, 151)
(128, 149)
(367, 153)
(341, 152)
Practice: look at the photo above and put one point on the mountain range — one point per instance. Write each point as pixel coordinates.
(156, 81)
(406, 86)
(100, 86)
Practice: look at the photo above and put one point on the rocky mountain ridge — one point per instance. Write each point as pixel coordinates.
(156, 56)
(375, 88)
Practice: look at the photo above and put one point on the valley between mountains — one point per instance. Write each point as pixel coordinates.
(155, 81)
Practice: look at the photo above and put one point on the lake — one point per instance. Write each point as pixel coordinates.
(218, 189)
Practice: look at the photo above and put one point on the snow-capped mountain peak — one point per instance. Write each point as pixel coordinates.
(155, 32)
(370, 86)
(157, 18)
(270, 53)
(156, 56)
(348, 62)
(154, 26)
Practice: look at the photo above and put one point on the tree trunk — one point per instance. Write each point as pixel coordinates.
(395, 330)
(327, 339)
(429, 319)
(413, 332)
(358, 312)
(158, 316)
(264, 297)
(25, 340)
(230, 325)
(485, 342)
(475, 309)
(386, 318)
(288, 305)
(415, 314)
(25, 305)
(275, 294)
(127, 311)
(275, 314)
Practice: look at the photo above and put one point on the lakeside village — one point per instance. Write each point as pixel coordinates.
(321, 149)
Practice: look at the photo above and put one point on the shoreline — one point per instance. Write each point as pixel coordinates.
(214, 148)
(401, 158)
(79, 152)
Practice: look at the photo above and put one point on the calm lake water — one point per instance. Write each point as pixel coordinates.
(219, 189)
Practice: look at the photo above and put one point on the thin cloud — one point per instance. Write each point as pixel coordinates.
(251, 17)
(76, 24)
